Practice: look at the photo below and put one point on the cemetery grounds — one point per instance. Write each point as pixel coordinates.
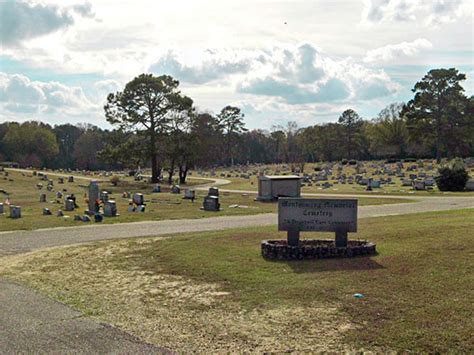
(21, 188)
(213, 292)
(246, 178)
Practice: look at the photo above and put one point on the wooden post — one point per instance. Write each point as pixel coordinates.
(293, 238)
(341, 239)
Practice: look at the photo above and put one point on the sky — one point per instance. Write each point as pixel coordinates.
(290, 60)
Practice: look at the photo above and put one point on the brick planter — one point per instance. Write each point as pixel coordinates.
(315, 249)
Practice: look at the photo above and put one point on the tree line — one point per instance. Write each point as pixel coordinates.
(155, 125)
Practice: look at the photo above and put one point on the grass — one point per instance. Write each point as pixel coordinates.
(22, 191)
(213, 291)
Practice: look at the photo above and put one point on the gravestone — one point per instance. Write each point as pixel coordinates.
(419, 185)
(110, 209)
(70, 179)
(42, 198)
(297, 215)
(213, 191)
(15, 211)
(46, 212)
(94, 194)
(138, 199)
(189, 194)
(60, 180)
(175, 189)
(69, 205)
(156, 189)
(211, 203)
(104, 196)
(60, 213)
(469, 185)
(1, 208)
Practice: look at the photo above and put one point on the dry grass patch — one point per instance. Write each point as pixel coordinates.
(173, 311)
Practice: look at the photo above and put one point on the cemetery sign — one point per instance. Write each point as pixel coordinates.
(317, 215)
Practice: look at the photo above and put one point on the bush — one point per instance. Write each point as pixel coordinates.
(452, 177)
(115, 180)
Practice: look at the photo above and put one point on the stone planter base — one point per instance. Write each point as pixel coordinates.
(315, 249)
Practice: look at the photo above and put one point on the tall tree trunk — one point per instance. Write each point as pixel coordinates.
(171, 172)
(183, 172)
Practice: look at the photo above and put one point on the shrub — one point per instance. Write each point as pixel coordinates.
(452, 177)
(115, 180)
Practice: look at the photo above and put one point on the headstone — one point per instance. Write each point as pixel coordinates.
(69, 205)
(1, 208)
(98, 218)
(211, 203)
(469, 185)
(419, 185)
(297, 215)
(138, 199)
(46, 212)
(60, 180)
(189, 194)
(157, 189)
(60, 213)
(104, 196)
(110, 209)
(15, 211)
(70, 179)
(175, 189)
(85, 218)
(42, 198)
(77, 217)
(94, 195)
(213, 191)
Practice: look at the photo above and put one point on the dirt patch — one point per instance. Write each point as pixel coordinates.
(170, 310)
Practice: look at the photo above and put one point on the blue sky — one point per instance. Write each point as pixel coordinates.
(299, 60)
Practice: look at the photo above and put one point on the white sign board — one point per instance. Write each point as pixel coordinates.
(317, 215)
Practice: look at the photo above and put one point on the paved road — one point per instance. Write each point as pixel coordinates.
(32, 323)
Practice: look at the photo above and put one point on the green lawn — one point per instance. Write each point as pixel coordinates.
(22, 191)
(213, 292)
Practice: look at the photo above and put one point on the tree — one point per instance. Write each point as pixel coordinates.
(146, 105)
(232, 122)
(207, 135)
(452, 177)
(436, 111)
(352, 123)
(66, 136)
(123, 150)
(30, 143)
(388, 134)
(86, 149)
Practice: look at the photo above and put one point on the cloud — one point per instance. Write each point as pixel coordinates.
(395, 51)
(297, 75)
(85, 10)
(211, 68)
(19, 94)
(430, 13)
(22, 21)
(301, 76)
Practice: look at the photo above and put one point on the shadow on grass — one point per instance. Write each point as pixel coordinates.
(343, 264)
